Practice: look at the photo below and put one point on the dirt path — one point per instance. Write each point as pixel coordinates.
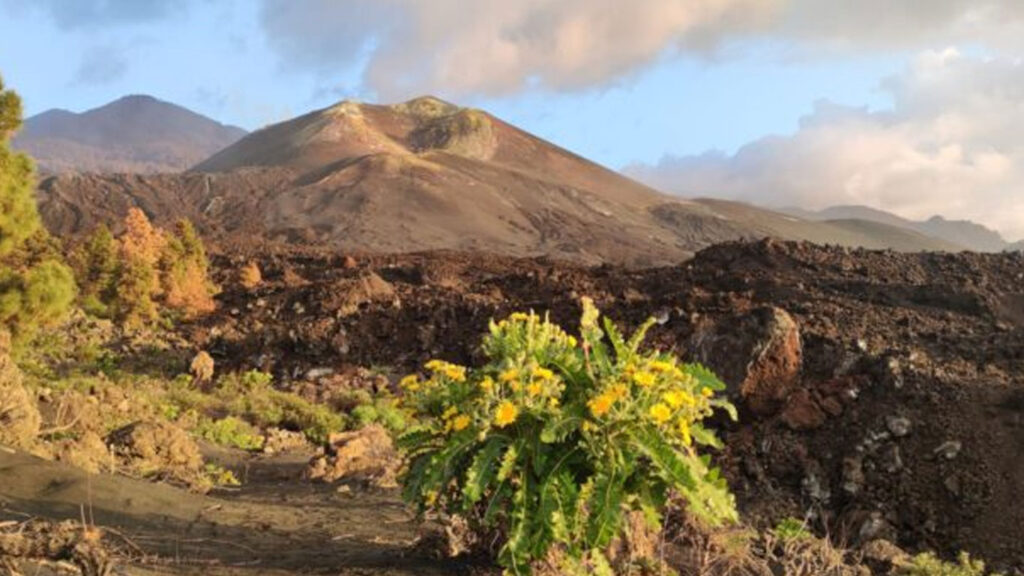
(275, 524)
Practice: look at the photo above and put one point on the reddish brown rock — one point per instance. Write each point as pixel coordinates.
(802, 412)
(758, 354)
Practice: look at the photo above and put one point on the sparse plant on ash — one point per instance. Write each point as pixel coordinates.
(553, 441)
(927, 564)
(249, 275)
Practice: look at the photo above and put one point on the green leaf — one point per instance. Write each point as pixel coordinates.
(508, 461)
(415, 439)
(483, 471)
(665, 458)
(638, 337)
(604, 509)
(723, 404)
(617, 341)
(557, 430)
(704, 376)
(705, 437)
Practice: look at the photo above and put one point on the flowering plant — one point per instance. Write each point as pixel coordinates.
(553, 440)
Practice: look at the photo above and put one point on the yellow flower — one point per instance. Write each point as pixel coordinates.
(518, 316)
(660, 413)
(644, 379)
(448, 413)
(431, 497)
(508, 375)
(601, 405)
(674, 398)
(571, 342)
(457, 373)
(460, 423)
(554, 401)
(684, 432)
(662, 366)
(543, 373)
(409, 381)
(706, 392)
(487, 384)
(534, 389)
(506, 414)
(435, 365)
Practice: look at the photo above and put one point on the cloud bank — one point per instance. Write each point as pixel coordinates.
(498, 47)
(951, 145)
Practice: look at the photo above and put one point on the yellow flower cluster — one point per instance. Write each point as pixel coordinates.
(656, 390)
(447, 369)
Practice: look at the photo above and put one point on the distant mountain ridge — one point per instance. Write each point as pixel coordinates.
(134, 134)
(427, 175)
(964, 233)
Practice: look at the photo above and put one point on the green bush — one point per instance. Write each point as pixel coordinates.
(552, 441)
(230, 431)
(381, 410)
(928, 564)
(250, 396)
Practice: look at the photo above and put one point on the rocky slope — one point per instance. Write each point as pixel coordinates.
(137, 134)
(881, 393)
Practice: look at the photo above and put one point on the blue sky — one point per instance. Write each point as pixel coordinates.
(900, 105)
(214, 58)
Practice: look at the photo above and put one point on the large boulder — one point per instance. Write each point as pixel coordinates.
(366, 455)
(758, 354)
(159, 450)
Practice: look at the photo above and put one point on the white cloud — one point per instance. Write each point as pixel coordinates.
(951, 145)
(498, 46)
(495, 47)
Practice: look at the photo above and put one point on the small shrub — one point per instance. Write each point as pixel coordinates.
(791, 529)
(250, 396)
(232, 432)
(383, 411)
(249, 276)
(202, 367)
(928, 564)
(552, 441)
(218, 476)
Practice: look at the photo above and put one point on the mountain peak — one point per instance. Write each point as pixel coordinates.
(135, 133)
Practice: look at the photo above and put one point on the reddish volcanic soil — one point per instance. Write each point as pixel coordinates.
(882, 394)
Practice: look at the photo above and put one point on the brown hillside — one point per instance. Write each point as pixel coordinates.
(426, 174)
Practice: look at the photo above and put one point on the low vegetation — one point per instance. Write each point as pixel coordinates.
(554, 442)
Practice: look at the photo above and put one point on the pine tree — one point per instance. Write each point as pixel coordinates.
(96, 269)
(138, 281)
(36, 288)
(185, 272)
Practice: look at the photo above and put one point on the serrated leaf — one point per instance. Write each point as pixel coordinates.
(482, 471)
(508, 461)
(705, 437)
(604, 510)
